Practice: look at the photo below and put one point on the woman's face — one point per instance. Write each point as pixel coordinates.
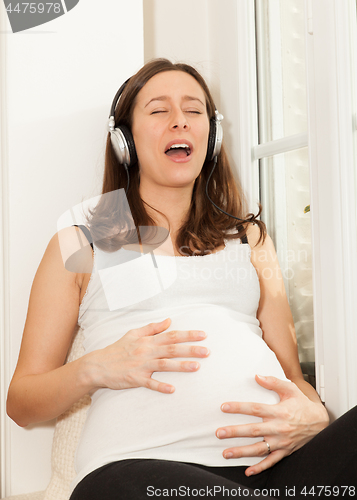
(170, 129)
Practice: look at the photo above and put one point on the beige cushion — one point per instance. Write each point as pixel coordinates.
(39, 495)
(66, 436)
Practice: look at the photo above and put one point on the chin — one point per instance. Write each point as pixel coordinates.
(173, 175)
(181, 181)
(185, 175)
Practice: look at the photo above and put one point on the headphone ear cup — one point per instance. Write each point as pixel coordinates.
(211, 140)
(133, 158)
(123, 145)
(214, 139)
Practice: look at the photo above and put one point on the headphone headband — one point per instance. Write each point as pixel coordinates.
(116, 99)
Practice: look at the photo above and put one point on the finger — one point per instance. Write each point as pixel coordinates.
(256, 409)
(155, 385)
(178, 336)
(273, 458)
(246, 430)
(253, 450)
(282, 387)
(153, 328)
(168, 365)
(181, 351)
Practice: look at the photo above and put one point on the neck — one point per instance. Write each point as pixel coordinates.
(174, 203)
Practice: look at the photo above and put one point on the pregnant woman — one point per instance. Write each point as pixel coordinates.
(190, 351)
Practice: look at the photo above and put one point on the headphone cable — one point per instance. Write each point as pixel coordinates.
(127, 174)
(213, 203)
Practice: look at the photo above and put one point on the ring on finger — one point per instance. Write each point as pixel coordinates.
(268, 445)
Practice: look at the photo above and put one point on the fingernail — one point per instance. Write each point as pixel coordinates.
(225, 407)
(221, 433)
(169, 389)
(250, 473)
(193, 366)
(261, 377)
(201, 335)
(228, 455)
(204, 351)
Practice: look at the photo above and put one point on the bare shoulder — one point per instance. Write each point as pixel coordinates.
(55, 286)
(75, 250)
(255, 242)
(263, 250)
(68, 255)
(253, 235)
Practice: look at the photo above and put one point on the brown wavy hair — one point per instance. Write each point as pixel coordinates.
(205, 227)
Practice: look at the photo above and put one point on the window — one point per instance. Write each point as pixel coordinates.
(328, 32)
(283, 156)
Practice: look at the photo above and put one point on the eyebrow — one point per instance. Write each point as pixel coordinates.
(166, 98)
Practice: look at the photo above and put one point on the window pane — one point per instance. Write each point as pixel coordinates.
(285, 196)
(281, 68)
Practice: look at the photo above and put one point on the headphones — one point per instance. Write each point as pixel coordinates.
(124, 147)
(123, 142)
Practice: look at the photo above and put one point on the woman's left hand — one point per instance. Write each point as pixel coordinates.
(286, 426)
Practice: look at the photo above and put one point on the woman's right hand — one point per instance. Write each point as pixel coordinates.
(131, 361)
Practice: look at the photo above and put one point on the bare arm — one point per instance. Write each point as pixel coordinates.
(43, 387)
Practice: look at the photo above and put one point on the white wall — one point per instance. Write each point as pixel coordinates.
(177, 30)
(60, 80)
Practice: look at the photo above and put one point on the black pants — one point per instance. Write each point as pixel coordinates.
(324, 467)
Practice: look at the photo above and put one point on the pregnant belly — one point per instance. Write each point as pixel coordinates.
(181, 426)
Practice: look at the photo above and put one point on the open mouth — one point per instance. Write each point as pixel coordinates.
(178, 151)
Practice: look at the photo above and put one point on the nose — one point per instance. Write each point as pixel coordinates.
(179, 120)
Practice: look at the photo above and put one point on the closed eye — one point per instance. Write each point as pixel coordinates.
(194, 112)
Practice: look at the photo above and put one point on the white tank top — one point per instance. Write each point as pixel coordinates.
(218, 293)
